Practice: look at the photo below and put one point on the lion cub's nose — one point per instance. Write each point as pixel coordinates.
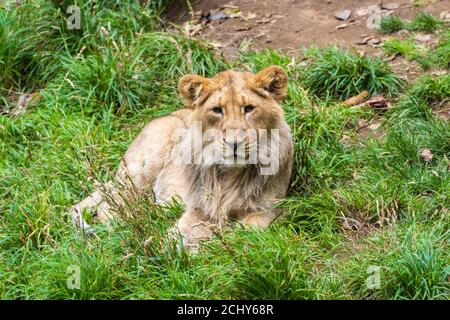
(234, 144)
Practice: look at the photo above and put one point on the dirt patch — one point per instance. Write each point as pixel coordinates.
(442, 111)
(370, 129)
(291, 24)
(18, 104)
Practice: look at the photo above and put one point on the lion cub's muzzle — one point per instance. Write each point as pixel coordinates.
(238, 146)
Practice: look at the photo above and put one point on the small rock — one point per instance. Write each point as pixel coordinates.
(218, 16)
(343, 15)
(390, 6)
(426, 155)
(362, 12)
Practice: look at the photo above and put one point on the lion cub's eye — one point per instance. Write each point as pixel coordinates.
(248, 109)
(217, 110)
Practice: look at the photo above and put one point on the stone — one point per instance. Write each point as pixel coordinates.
(343, 15)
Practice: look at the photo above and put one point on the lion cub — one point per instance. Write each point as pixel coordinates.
(227, 155)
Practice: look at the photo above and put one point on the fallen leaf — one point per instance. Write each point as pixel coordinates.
(364, 40)
(343, 15)
(426, 155)
(391, 57)
(229, 6)
(356, 99)
(374, 42)
(216, 45)
(233, 12)
(244, 28)
(390, 6)
(342, 26)
(128, 255)
(264, 20)
(378, 102)
(21, 237)
(439, 72)
(191, 28)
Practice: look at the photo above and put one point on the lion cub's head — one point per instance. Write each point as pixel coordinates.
(236, 113)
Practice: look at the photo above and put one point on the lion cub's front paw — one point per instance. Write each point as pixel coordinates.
(192, 236)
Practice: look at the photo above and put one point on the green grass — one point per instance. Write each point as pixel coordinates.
(440, 55)
(422, 22)
(336, 74)
(407, 48)
(391, 24)
(425, 22)
(428, 56)
(355, 203)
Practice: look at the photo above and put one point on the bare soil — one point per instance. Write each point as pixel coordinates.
(291, 24)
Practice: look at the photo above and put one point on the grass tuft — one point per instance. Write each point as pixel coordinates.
(406, 48)
(425, 22)
(336, 74)
(422, 22)
(391, 24)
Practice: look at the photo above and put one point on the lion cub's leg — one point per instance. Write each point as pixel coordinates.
(260, 219)
(99, 204)
(193, 228)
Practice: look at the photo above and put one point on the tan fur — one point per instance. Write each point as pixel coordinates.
(212, 193)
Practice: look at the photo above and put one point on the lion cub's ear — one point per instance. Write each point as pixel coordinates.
(192, 86)
(273, 80)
